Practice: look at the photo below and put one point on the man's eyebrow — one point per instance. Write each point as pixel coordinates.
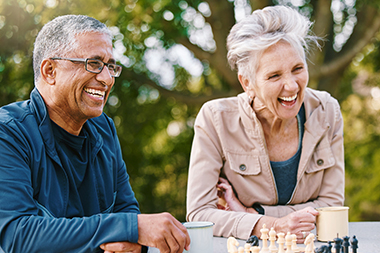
(111, 60)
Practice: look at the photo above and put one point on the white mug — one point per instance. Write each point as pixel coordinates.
(201, 236)
(332, 222)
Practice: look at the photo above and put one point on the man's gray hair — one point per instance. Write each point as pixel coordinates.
(58, 37)
(263, 28)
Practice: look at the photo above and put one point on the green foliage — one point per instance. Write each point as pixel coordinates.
(362, 157)
(156, 135)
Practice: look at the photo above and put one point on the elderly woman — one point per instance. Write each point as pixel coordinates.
(275, 151)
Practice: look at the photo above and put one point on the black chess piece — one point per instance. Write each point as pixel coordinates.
(322, 249)
(338, 244)
(346, 244)
(253, 240)
(329, 247)
(354, 244)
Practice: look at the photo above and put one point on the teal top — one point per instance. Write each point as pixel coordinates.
(285, 172)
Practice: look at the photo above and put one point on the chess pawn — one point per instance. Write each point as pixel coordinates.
(288, 243)
(255, 249)
(241, 250)
(264, 237)
(309, 242)
(294, 244)
(354, 244)
(281, 242)
(247, 248)
(272, 239)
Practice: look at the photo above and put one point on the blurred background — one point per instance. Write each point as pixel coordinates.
(174, 59)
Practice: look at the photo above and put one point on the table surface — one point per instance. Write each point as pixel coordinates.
(367, 233)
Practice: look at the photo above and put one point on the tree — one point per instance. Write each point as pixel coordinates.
(347, 29)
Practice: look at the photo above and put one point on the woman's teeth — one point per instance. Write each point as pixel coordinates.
(288, 98)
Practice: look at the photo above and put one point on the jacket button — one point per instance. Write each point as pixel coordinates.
(320, 162)
(242, 167)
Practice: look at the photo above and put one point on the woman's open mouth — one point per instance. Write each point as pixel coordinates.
(288, 101)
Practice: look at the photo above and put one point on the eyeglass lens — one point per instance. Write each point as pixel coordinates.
(96, 66)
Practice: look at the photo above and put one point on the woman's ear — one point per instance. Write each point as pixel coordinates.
(48, 71)
(246, 85)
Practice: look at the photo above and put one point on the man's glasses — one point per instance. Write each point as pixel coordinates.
(95, 66)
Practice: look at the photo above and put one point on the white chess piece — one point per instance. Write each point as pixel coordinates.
(309, 242)
(232, 244)
(241, 250)
(264, 237)
(247, 248)
(272, 239)
(255, 249)
(281, 242)
(294, 244)
(288, 243)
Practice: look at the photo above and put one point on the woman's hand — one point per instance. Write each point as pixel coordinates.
(226, 193)
(299, 223)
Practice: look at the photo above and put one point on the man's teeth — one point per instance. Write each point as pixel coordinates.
(288, 98)
(96, 93)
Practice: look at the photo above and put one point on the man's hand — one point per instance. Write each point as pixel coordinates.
(121, 247)
(164, 232)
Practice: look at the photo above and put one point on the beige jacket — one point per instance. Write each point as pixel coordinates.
(229, 135)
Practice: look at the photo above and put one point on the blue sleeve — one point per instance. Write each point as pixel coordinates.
(23, 229)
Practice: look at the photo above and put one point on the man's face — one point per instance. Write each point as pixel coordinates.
(80, 95)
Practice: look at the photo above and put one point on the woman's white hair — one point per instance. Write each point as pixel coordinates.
(263, 28)
(58, 37)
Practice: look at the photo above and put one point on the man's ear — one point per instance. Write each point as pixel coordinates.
(48, 71)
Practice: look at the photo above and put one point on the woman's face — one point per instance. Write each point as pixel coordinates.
(281, 79)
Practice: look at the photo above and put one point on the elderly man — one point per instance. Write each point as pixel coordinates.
(63, 183)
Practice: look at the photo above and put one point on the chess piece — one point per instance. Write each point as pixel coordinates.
(322, 249)
(264, 237)
(354, 244)
(294, 244)
(232, 244)
(255, 249)
(288, 243)
(346, 244)
(241, 250)
(309, 242)
(253, 240)
(329, 247)
(247, 248)
(272, 239)
(338, 244)
(281, 242)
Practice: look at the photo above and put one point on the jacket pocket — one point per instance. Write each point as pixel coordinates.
(322, 159)
(243, 164)
(110, 208)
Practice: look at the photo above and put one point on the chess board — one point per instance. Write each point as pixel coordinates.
(273, 242)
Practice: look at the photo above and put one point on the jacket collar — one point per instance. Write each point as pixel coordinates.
(39, 109)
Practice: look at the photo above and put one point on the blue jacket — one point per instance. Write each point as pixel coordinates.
(34, 186)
